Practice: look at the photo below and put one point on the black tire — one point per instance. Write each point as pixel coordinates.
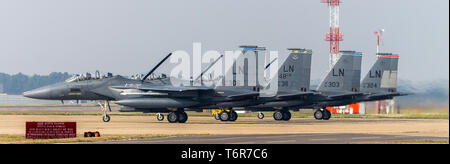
(261, 115)
(233, 116)
(160, 117)
(287, 116)
(318, 115)
(172, 117)
(106, 118)
(326, 114)
(224, 116)
(182, 117)
(278, 116)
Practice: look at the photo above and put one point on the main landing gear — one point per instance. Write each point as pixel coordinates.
(179, 116)
(322, 114)
(282, 115)
(105, 108)
(228, 115)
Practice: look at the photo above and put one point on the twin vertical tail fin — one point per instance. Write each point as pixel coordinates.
(382, 77)
(345, 75)
(295, 72)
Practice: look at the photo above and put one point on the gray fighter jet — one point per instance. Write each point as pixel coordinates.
(155, 95)
(86, 87)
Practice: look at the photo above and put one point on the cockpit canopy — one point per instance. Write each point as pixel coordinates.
(151, 77)
(88, 76)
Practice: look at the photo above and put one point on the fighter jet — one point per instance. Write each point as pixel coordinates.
(97, 88)
(155, 95)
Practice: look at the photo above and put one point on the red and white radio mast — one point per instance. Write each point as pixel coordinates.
(378, 34)
(334, 36)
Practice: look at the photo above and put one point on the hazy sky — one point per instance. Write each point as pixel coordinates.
(131, 36)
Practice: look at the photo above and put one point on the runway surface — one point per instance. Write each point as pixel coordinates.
(320, 138)
(246, 130)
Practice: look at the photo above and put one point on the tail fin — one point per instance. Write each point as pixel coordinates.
(245, 71)
(295, 72)
(382, 77)
(345, 74)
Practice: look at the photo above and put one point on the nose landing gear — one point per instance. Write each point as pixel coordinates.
(260, 115)
(105, 108)
(160, 117)
(106, 118)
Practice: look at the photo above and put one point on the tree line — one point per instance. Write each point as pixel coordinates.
(19, 83)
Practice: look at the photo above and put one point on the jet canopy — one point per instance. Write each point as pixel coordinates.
(152, 76)
(88, 76)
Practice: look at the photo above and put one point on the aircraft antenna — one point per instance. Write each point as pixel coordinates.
(268, 65)
(156, 67)
(207, 69)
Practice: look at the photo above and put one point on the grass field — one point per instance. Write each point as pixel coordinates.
(442, 113)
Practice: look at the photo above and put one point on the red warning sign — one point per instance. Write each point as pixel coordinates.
(51, 130)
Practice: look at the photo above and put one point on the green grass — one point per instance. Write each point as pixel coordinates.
(20, 139)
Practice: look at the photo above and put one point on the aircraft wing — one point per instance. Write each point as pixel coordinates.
(294, 95)
(344, 95)
(388, 95)
(243, 96)
(166, 88)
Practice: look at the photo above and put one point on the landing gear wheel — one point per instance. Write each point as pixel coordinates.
(287, 116)
(182, 117)
(326, 115)
(105, 108)
(216, 116)
(106, 118)
(318, 114)
(278, 116)
(260, 115)
(224, 116)
(172, 117)
(233, 116)
(160, 117)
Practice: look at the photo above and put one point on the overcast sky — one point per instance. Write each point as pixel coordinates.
(131, 36)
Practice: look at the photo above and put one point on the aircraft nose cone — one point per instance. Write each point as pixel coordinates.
(37, 94)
